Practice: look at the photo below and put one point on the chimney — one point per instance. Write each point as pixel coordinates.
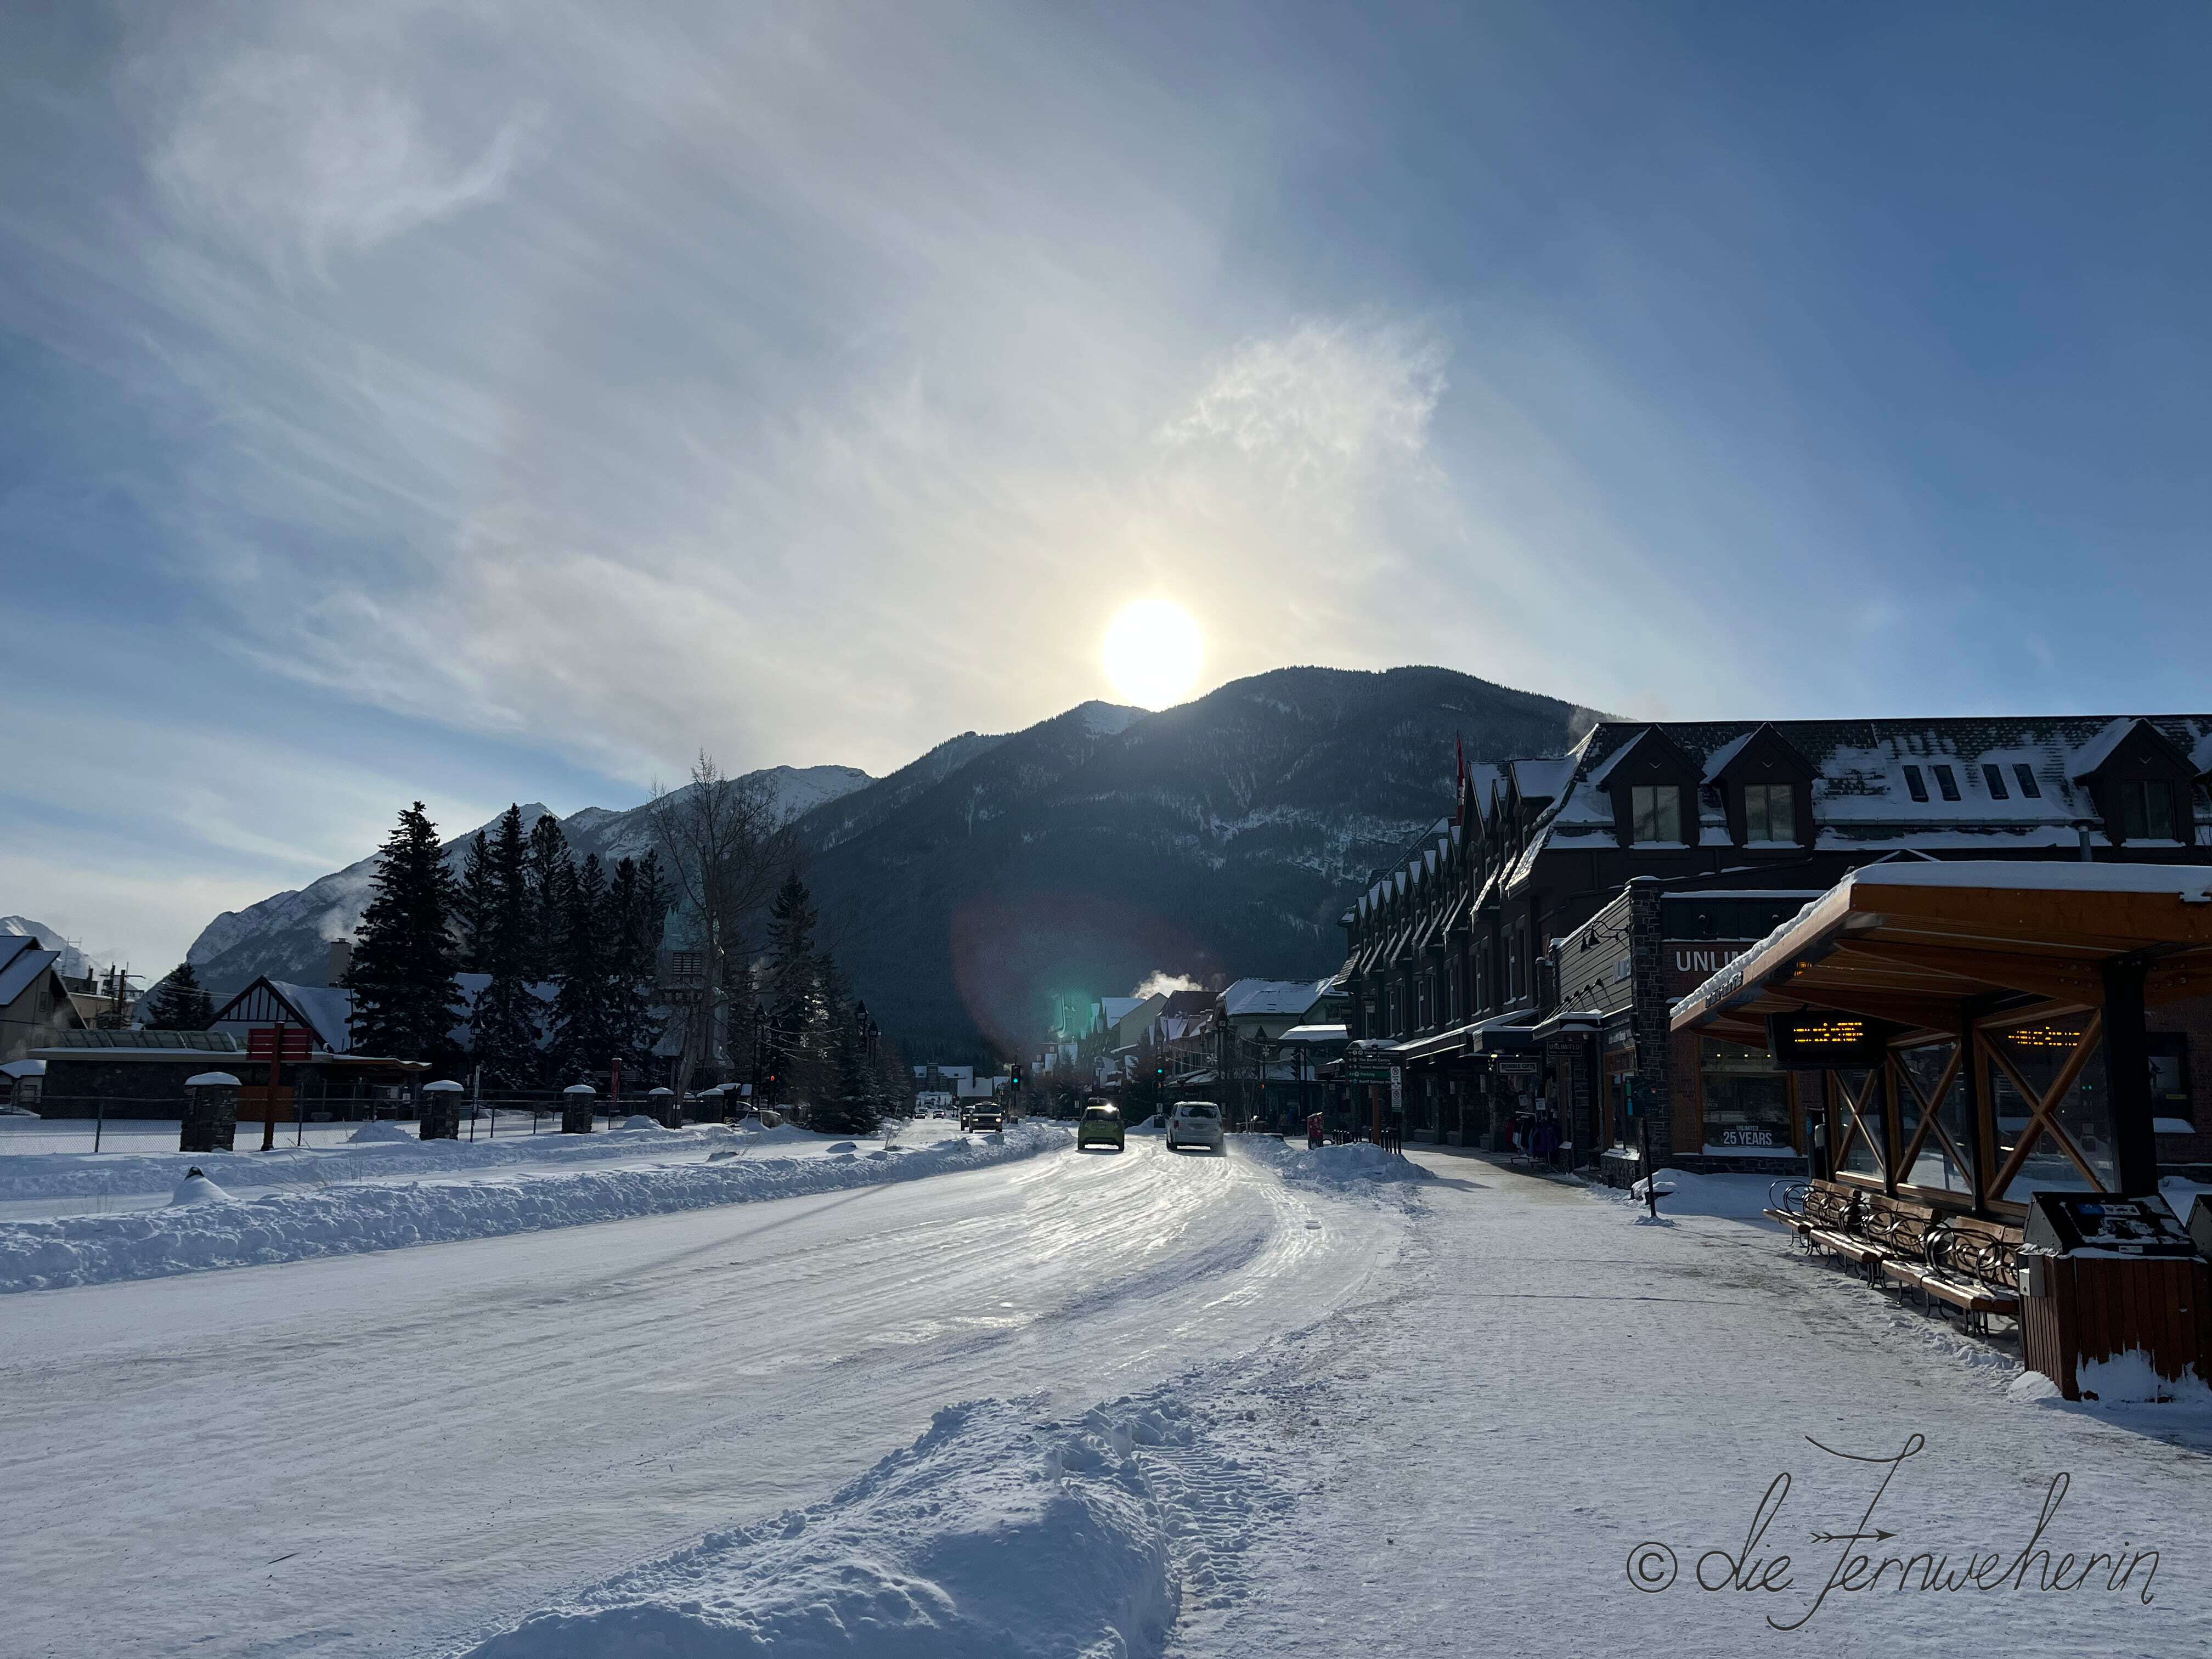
(341, 960)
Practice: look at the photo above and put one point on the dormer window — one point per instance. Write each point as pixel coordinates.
(1915, 783)
(1770, 812)
(2146, 809)
(1657, 809)
(1947, 782)
(2026, 774)
(1994, 776)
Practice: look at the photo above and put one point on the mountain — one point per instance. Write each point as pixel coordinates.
(1224, 836)
(288, 936)
(970, 888)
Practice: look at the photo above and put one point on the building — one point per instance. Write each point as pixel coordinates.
(35, 1004)
(1461, 952)
(1969, 1033)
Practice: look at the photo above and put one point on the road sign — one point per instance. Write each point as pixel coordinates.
(1397, 1089)
(1370, 1073)
(261, 1041)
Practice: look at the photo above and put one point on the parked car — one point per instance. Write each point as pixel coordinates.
(1194, 1123)
(1102, 1124)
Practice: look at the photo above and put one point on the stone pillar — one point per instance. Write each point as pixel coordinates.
(1654, 1097)
(439, 1116)
(578, 1102)
(210, 1122)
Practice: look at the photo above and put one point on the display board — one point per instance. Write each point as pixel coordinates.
(1812, 1041)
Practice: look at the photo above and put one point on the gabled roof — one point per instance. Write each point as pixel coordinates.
(1250, 997)
(22, 965)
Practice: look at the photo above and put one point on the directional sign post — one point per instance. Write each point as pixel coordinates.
(275, 1044)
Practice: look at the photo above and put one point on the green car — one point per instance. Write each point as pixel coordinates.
(1102, 1124)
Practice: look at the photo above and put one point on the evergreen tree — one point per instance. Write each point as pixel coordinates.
(474, 905)
(403, 958)
(180, 1005)
(552, 869)
(794, 970)
(637, 903)
(504, 1021)
(849, 1104)
(583, 1037)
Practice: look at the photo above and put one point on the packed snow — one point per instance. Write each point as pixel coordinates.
(205, 1227)
(1273, 1402)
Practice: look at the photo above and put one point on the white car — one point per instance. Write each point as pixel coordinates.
(1194, 1123)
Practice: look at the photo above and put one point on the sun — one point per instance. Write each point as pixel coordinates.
(1153, 653)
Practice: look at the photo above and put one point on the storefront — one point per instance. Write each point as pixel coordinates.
(1969, 1034)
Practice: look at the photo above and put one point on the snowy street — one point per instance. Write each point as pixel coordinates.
(436, 1437)
(1423, 1416)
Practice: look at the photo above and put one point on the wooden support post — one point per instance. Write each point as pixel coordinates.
(2127, 1070)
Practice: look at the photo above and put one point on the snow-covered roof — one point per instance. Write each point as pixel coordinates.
(1249, 997)
(1315, 1034)
(2190, 883)
(22, 965)
(23, 1068)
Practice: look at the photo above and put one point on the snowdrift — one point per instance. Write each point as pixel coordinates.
(375, 1151)
(991, 1537)
(291, 1226)
(1332, 1166)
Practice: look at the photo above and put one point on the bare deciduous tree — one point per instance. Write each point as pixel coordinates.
(724, 843)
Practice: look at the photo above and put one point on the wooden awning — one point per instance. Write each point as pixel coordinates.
(1919, 945)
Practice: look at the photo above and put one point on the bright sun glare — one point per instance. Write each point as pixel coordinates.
(1153, 653)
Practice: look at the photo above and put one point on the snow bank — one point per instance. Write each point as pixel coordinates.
(1332, 1166)
(638, 1122)
(991, 1537)
(196, 1188)
(377, 1132)
(2126, 1380)
(376, 1151)
(290, 1226)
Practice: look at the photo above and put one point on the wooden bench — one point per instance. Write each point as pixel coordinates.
(1972, 1266)
(1952, 1262)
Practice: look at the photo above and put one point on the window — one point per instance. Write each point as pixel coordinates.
(1947, 782)
(1658, 811)
(1994, 776)
(1916, 783)
(2146, 809)
(2170, 1096)
(1747, 1101)
(1770, 812)
(2026, 774)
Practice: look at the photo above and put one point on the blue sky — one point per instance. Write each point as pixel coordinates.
(509, 400)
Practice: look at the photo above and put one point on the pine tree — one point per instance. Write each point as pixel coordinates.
(474, 905)
(402, 977)
(637, 904)
(582, 1040)
(851, 1106)
(504, 1021)
(181, 1004)
(794, 969)
(552, 869)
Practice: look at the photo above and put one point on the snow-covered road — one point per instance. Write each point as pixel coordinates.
(381, 1453)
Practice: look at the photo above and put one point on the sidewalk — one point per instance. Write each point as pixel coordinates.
(1555, 1381)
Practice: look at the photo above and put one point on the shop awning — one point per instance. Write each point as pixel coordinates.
(1913, 943)
(1568, 1022)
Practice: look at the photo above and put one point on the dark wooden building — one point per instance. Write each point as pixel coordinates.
(1518, 961)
